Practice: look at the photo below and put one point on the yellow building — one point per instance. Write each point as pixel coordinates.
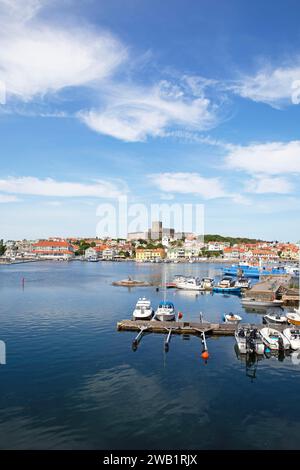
(149, 254)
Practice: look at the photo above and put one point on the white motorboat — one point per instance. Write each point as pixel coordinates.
(191, 283)
(252, 303)
(232, 318)
(243, 283)
(294, 317)
(207, 283)
(165, 311)
(275, 318)
(143, 310)
(274, 339)
(249, 341)
(293, 335)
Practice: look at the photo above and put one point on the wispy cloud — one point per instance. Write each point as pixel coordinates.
(272, 158)
(195, 184)
(271, 85)
(49, 187)
(38, 57)
(265, 184)
(133, 113)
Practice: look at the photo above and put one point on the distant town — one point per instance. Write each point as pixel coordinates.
(158, 244)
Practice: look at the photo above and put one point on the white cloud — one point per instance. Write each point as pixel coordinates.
(189, 183)
(134, 113)
(274, 86)
(264, 185)
(49, 187)
(5, 199)
(37, 58)
(273, 158)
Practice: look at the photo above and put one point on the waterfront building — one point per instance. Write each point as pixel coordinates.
(149, 254)
(49, 249)
(176, 254)
(94, 252)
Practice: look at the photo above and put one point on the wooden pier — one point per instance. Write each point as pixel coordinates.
(187, 328)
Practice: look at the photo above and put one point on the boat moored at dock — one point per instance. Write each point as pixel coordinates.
(249, 341)
(165, 311)
(294, 317)
(293, 336)
(190, 283)
(252, 303)
(243, 283)
(232, 318)
(227, 285)
(143, 310)
(274, 339)
(276, 318)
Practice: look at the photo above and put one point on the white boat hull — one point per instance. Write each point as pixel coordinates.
(142, 316)
(165, 316)
(293, 338)
(274, 340)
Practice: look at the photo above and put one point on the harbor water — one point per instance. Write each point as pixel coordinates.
(72, 381)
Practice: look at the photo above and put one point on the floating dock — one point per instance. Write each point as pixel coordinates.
(188, 328)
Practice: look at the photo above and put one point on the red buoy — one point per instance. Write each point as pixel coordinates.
(180, 315)
(205, 355)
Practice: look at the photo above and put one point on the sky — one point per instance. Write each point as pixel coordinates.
(173, 102)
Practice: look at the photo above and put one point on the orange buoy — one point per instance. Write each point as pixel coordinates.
(180, 315)
(205, 355)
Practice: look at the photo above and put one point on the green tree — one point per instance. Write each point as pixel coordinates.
(2, 248)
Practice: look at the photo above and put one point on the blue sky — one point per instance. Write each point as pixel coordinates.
(167, 102)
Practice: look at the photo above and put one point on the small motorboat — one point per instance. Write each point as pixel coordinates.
(294, 317)
(165, 311)
(243, 283)
(252, 303)
(143, 310)
(191, 283)
(207, 283)
(231, 318)
(249, 341)
(275, 318)
(227, 285)
(274, 339)
(293, 335)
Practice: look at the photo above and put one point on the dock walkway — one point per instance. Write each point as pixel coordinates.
(182, 327)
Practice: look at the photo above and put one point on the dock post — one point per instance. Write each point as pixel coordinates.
(205, 354)
(168, 339)
(138, 338)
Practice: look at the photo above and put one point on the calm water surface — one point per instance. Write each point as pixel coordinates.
(73, 382)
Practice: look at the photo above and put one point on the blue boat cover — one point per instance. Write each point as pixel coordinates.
(166, 304)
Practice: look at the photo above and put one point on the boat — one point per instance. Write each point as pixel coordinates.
(165, 311)
(207, 283)
(294, 317)
(293, 335)
(143, 310)
(249, 341)
(227, 285)
(275, 318)
(243, 283)
(191, 283)
(231, 318)
(252, 303)
(274, 339)
(252, 271)
(93, 259)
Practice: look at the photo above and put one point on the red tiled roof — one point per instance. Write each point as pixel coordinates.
(52, 244)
